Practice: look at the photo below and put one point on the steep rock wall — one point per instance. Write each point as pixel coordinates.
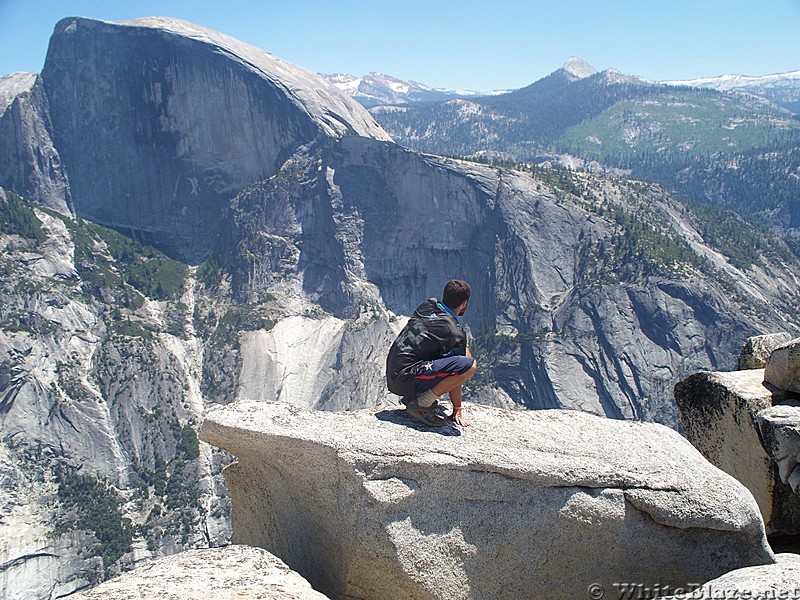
(158, 122)
(97, 407)
(29, 162)
(361, 226)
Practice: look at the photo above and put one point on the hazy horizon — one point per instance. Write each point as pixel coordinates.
(461, 45)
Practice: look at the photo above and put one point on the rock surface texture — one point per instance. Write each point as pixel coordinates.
(718, 412)
(783, 367)
(29, 162)
(767, 582)
(229, 573)
(779, 429)
(756, 350)
(82, 398)
(537, 504)
(749, 426)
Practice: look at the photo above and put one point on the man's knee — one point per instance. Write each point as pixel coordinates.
(466, 375)
(472, 370)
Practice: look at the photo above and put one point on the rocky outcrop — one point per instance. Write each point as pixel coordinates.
(521, 504)
(718, 412)
(783, 368)
(757, 349)
(767, 582)
(748, 427)
(779, 431)
(232, 572)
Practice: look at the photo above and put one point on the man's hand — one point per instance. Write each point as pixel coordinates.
(458, 417)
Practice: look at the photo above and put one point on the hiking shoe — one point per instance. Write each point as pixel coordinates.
(429, 416)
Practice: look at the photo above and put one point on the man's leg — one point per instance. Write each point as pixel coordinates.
(441, 376)
(453, 383)
(455, 394)
(446, 373)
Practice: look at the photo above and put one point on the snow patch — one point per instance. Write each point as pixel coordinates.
(578, 68)
(734, 82)
(382, 89)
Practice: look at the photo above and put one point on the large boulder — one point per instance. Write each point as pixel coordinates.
(756, 350)
(718, 413)
(522, 504)
(783, 367)
(766, 582)
(731, 419)
(232, 572)
(779, 431)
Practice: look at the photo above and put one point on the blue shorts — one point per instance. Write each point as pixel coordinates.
(436, 370)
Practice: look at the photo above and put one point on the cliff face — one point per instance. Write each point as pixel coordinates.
(29, 162)
(99, 396)
(159, 143)
(365, 229)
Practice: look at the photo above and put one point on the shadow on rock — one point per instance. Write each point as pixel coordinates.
(401, 417)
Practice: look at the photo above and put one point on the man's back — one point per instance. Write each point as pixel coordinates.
(430, 357)
(432, 332)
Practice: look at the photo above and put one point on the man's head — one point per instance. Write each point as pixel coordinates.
(456, 296)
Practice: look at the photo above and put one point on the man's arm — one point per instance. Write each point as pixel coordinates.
(455, 398)
(457, 416)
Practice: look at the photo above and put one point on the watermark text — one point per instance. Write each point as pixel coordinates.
(691, 591)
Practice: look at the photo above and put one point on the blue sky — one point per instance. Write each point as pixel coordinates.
(465, 44)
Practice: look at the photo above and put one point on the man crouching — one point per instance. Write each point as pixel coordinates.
(430, 357)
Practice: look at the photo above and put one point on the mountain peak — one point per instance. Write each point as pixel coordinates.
(378, 89)
(578, 68)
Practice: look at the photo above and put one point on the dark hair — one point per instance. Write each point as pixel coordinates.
(455, 292)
